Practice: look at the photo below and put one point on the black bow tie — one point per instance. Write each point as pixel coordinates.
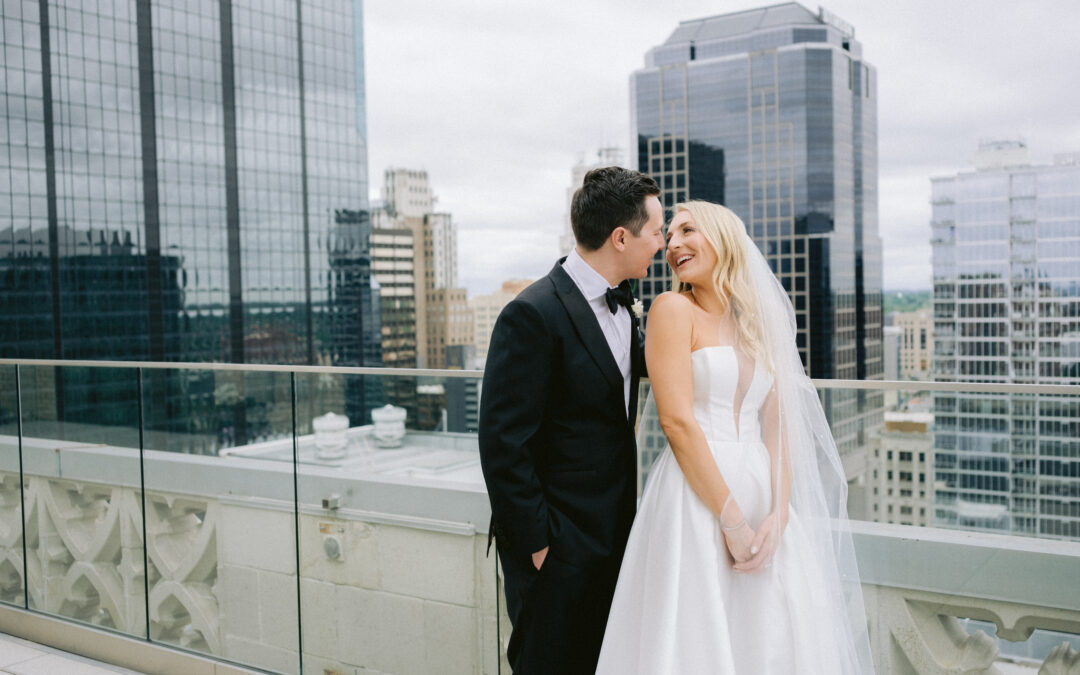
(620, 295)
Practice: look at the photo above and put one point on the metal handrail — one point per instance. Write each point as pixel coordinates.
(872, 385)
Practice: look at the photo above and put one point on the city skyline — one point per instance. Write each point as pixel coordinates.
(773, 112)
(949, 76)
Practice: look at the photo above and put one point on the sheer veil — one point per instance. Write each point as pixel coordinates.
(818, 486)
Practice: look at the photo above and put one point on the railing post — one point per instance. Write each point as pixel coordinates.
(22, 485)
(296, 520)
(142, 494)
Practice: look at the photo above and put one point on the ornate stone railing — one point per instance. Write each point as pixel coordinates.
(413, 592)
(919, 583)
(408, 590)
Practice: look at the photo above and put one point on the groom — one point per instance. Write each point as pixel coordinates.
(556, 426)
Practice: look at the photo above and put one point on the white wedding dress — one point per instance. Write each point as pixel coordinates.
(679, 607)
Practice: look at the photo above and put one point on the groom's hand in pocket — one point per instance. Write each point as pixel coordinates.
(539, 557)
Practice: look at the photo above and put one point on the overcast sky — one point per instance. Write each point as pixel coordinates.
(498, 100)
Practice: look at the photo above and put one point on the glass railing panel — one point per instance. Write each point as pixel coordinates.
(972, 462)
(220, 518)
(12, 589)
(394, 573)
(80, 452)
(1006, 463)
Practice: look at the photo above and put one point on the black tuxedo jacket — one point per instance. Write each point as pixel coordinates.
(556, 441)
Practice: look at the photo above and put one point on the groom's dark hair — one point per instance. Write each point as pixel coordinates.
(610, 197)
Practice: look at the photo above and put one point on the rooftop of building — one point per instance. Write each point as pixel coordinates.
(747, 21)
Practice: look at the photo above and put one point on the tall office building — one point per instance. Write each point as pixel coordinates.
(773, 113)
(440, 251)
(393, 261)
(1006, 261)
(439, 304)
(394, 266)
(208, 160)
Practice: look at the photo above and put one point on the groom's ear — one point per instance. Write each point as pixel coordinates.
(619, 238)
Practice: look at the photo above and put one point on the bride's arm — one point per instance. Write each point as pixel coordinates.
(667, 353)
(779, 457)
(767, 538)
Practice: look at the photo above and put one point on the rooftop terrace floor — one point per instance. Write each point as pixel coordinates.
(22, 657)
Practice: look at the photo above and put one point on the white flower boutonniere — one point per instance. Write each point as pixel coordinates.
(637, 308)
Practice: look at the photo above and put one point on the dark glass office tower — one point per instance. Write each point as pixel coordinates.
(192, 160)
(773, 113)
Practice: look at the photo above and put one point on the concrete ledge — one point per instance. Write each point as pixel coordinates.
(109, 647)
(1004, 568)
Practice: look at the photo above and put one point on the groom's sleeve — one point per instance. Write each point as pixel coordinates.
(512, 404)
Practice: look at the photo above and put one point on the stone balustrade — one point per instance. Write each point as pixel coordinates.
(396, 579)
(919, 583)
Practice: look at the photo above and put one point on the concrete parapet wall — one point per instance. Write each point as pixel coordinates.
(406, 590)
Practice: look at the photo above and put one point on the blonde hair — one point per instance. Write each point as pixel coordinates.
(727, 236)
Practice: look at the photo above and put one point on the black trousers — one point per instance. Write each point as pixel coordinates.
(558, 613)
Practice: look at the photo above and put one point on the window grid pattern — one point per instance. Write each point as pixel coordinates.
(1007, 309)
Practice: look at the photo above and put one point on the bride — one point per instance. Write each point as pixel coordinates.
(740, 559)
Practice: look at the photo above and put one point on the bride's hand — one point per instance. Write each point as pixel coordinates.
(763, 547)
(738, 535)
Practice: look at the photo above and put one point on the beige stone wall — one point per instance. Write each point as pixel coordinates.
(395, 597)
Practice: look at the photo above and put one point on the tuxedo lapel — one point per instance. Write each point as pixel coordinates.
(585, 324)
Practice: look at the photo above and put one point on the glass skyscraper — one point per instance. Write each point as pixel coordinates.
(1006, 240)
(185, 181)
(773, 113)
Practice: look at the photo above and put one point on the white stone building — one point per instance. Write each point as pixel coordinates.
(604, 157)
(407, 193)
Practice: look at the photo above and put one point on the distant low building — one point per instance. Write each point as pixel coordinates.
(449, 324)
(902, 471)
(485, 311)
(916, 343)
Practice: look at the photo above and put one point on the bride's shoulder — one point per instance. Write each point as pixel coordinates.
(671, 307)
(672, 302)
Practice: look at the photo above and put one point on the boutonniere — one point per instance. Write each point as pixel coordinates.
(637, 309)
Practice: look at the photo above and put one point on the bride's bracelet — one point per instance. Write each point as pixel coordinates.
(729, 528)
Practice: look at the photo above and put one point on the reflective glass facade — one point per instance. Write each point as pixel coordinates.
(773, 113)
(174, 179)
(1007, 309)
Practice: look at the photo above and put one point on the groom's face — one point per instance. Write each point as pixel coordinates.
(641, 249)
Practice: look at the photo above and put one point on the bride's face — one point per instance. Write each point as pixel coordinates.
(688, 252)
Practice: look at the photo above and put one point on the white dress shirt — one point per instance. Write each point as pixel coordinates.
(616, 327)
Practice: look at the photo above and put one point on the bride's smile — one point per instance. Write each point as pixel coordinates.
(688, 252)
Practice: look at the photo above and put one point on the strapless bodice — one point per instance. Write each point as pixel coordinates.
(716, 378)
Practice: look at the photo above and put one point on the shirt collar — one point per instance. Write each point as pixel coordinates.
(590, 282)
